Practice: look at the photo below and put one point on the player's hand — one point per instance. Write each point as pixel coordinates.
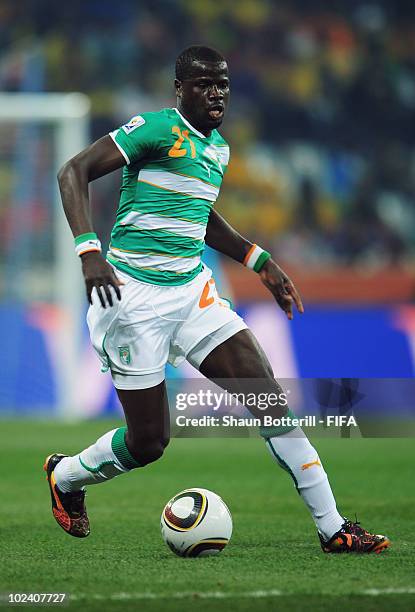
(99, 274)
(281, 287)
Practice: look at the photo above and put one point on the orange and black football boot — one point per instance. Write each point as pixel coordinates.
(68, 508)
(354, 539)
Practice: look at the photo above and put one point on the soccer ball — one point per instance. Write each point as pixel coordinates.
(196, 523)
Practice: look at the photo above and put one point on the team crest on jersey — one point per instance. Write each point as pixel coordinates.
(134, 123)
(125, 355)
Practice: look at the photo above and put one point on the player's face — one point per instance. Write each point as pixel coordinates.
(204, 95)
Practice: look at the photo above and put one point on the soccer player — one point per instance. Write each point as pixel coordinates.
(152, 300)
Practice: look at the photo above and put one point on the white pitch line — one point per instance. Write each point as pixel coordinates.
(260, 594)
(178, 595)
(390, 591)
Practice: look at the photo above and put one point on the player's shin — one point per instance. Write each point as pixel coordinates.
(293, 452)
(106, 458)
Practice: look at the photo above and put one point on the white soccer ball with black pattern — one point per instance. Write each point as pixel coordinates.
(196, 523)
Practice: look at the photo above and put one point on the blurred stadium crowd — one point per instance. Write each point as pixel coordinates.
(321, 122)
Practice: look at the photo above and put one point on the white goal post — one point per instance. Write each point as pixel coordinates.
(68, 114)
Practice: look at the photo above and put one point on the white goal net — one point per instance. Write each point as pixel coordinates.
(41, 289)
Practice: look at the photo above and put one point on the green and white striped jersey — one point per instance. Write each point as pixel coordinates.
(169, 185)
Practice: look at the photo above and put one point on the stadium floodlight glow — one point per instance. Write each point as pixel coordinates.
(68, 116)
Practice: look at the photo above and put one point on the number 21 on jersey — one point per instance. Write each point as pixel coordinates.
(179, 149)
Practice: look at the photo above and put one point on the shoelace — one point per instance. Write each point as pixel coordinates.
(361, 533)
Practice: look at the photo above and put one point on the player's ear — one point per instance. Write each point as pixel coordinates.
(178, 87)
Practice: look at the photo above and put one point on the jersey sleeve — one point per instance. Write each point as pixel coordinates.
(136, 139)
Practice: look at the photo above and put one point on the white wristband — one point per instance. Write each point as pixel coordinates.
(255, 258)
(87, 246)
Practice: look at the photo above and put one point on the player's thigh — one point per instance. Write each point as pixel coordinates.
(239, 365)
(131, 340)
(146, 414)
(240, 356)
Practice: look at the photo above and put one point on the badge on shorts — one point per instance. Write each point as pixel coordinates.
(124, 353)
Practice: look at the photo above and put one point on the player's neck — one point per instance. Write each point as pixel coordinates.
(188, 118)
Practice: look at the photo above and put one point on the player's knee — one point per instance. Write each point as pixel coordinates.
(147, 450)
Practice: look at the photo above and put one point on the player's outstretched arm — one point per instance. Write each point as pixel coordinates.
(224, 238)
(95, 161)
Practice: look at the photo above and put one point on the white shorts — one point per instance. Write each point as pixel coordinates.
(152, 325)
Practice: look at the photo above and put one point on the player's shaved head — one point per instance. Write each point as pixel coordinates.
(190, 59)
(202, 87)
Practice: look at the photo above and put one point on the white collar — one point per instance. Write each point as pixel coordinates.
(189, 124)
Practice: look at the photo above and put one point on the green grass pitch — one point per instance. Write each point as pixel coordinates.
(273, 561)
